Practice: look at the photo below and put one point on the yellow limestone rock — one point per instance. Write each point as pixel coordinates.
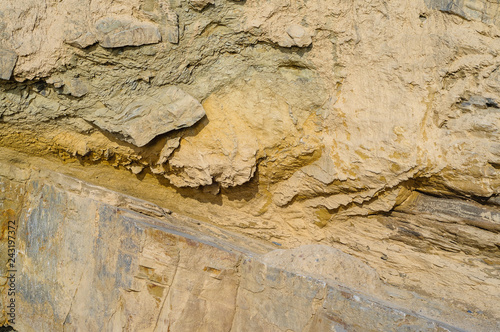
(292, 122)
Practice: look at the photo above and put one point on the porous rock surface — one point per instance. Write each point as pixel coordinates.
(366, 126)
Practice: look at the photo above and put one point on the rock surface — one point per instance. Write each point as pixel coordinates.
(92, 259)
(141, 119)
(119, 32)
(481, 10)
(7, 62)
(366, 126)
(200, 4)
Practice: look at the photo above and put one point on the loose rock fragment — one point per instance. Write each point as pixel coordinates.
(7, 63)
(75, 87)
(200, 4)
(172, 31)
(168, 149)
(136, 169)
(148, 116)
(119, 32)
(296, 35)
(299, 35)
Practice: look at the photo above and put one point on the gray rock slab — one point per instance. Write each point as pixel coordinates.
(119, 32)
(7, 63)
(453, 211)
(145, 117)
(480, 10)
(103, 261)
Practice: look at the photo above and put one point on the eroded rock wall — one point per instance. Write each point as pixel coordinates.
(291, 122)
(92, 259)
(325, 106)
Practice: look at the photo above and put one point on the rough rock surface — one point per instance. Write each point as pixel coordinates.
(113, 32)
(368, 126)
(7, 62)
(141, 119)
(93, 259)
(304, 86)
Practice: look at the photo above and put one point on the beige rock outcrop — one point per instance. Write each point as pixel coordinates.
(7, 62)
(93, 259)
(352, 124)
(119, 32)
(141, 119)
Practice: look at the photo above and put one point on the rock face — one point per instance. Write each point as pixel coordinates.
(93, 259)
(114, 32)
(200, 4)
(365, 126)
(481, 10)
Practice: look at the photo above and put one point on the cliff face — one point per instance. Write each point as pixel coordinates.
(95, 260)
(367, 126)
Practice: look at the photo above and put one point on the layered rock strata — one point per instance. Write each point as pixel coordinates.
(370, 127)
(92, 259)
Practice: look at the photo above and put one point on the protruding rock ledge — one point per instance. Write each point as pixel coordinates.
(200, 4)
(453, 211)
(86, 39)
(140, 266)
(8, 60)
(146, 117)
(113, 32)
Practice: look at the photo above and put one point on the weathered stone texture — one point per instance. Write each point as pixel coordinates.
(368, 126)
(141, 119)
(288, 89)
(87, 260)
(482, 10)
(7, 62)
(200, 4)
(119, 32)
